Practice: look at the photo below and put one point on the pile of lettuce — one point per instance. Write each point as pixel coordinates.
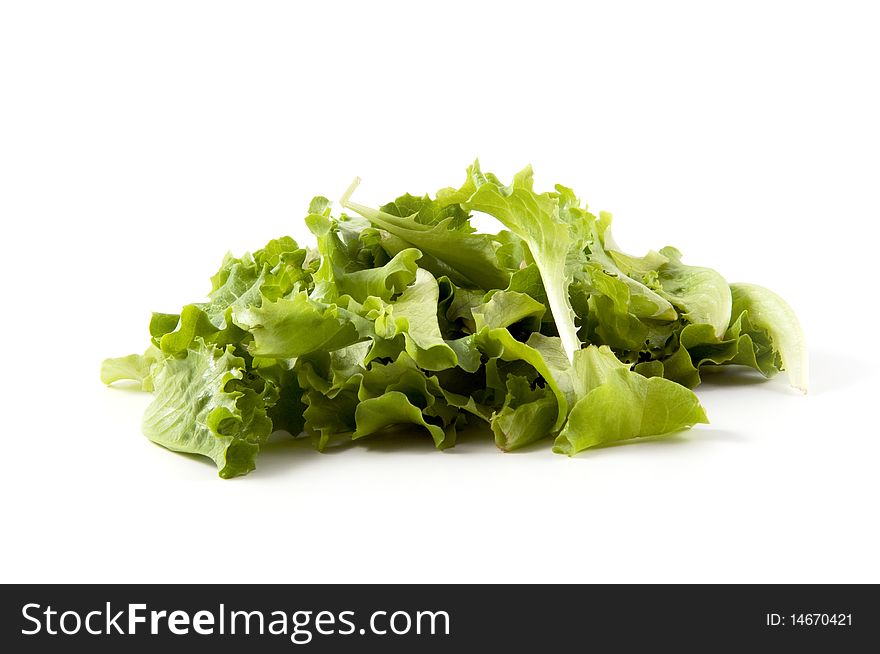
(404, 317)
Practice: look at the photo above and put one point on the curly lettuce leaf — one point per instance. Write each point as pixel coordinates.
(605, 273)
(426, 211)
(528, 414)
(291, 327)
(134, 367)
(241, 283)
(472, 256)
(769, 314)
(506, 308)
(349, 399)
(618, 404)
(535, 219)
(273, 271)
(414, 315)
(701, 295)
(498, 343)
(393, 408)
(207, 403)
(345, 270)
(286, 413)
(698, 346)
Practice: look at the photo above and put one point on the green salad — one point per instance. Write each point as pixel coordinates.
(404, 318)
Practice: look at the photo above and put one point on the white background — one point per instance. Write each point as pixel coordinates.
(140, 141)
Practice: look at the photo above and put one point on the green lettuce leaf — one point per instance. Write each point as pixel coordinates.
(770, 315)
(535, 219)
(606, 274)
(506, 308)
(617, 404)
(391, 409)
(528, 414)
(426, 211)
(291, 327)
(345, 270)
(472, 256)
(206, 403)
(701, 295)
(368, 398)
(134, 367)
(414, 315)
(500, 344)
